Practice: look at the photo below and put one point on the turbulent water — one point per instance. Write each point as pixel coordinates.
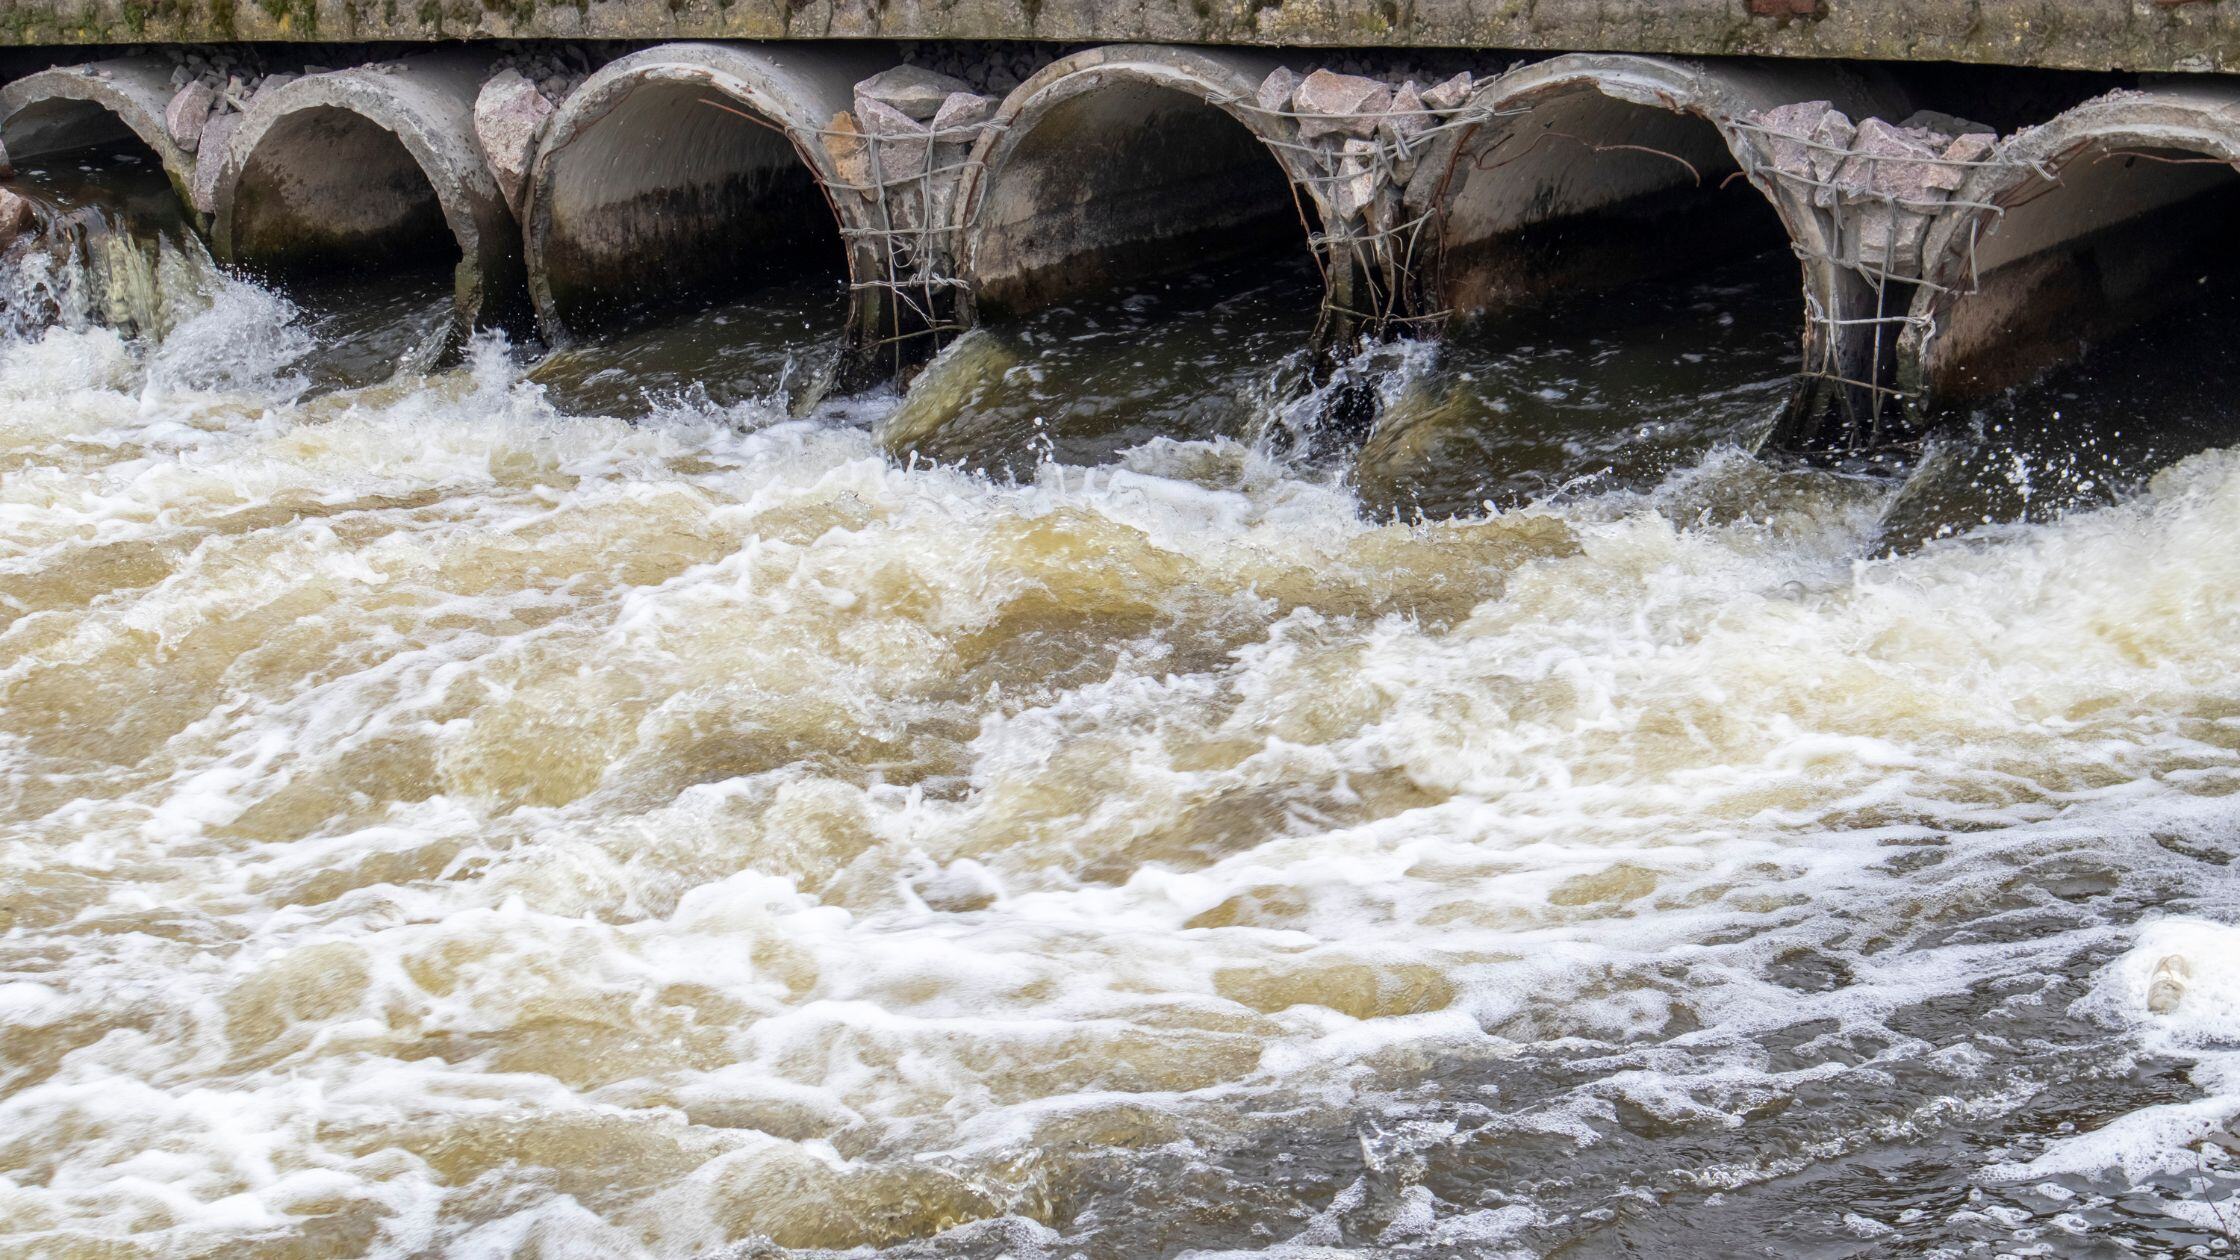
(453, 816)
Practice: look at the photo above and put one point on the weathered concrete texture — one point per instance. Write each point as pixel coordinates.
(690, 167)
(2142, 35)
(1124, 161)
(2078, 228)
(1590, 169)
(77, 107)
(368, 169)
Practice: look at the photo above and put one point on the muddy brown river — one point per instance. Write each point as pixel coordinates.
(581, 807)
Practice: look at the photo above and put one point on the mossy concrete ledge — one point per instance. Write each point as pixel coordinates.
(2133, 35)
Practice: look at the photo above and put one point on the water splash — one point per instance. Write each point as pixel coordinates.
(438, 819)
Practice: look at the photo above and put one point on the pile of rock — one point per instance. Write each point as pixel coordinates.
(913, 129)
(985, 66)
(1882, 182)
(1368, 136)
(555, 69)
(213, 89)
(515, 105)
(921, 121)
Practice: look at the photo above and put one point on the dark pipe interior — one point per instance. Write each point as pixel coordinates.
(668, 202)
(52, 127)
(1587, 192)
(328, 193)
(2061, 393)
(2122, 235)
(1122, 183)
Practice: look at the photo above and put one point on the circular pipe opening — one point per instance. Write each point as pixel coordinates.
(85, 160)
(1625, 304)
(2046, 358)
(1122, 182)
(59, 125)
(2127, 228)
(330, 192)
(675, 198)
(1585, 191)
(1137, 255)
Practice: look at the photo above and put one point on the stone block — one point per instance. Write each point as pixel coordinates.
(913, 91)
(15, 216)
(509, 116)
(1332, 104)
(188, 111)
(1451, 95)
(210, 161)
(963, 112)
(1275, 91)
(900, 141)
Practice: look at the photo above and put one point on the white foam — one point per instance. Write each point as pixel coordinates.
(2178, 989)
(444, 799)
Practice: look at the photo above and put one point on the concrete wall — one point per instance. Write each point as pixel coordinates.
(2139, 35)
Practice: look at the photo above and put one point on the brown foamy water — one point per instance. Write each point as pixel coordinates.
(435, 823)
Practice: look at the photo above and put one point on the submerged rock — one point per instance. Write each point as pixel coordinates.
(962, 372)
(1431, 412)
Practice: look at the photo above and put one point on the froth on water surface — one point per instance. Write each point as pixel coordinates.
(436, 820)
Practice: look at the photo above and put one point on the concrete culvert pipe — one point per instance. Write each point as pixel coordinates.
(95, 106)
(1123, 162)
(688, 172)
(1592, 170)
(2076, 229)
(372, 169)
